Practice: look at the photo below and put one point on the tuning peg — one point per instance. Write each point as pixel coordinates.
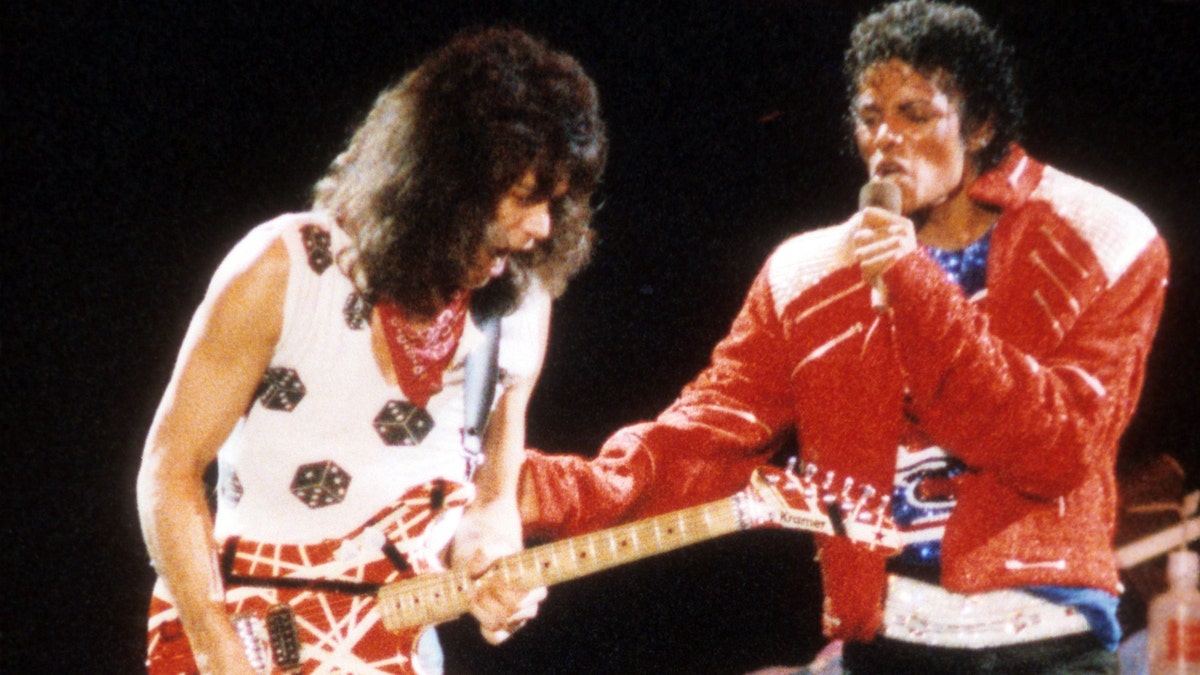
(810, 472)
(847, 485)
(791, 464)
(883, 515)
(858, 510)
(827, 495)
(867, 492)
(808, 485)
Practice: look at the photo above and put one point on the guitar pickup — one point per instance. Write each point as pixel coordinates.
(285, 641)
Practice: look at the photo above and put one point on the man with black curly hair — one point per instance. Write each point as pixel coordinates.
(971, 342)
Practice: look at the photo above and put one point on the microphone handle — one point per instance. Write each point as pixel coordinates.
(884, 195)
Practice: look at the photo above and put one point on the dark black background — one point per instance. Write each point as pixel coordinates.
(144, 138)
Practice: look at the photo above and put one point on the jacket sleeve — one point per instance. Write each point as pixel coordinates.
(1038, 422)
(703, 447)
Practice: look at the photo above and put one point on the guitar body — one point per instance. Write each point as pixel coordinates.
(312, 608)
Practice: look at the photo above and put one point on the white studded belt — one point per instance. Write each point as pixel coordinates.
(916, 611)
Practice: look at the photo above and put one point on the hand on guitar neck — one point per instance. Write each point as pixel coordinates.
(488, 532)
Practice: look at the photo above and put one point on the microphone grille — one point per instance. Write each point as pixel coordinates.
(880, 194)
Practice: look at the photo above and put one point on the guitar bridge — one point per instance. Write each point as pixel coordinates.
(285, 641)
(251, 631)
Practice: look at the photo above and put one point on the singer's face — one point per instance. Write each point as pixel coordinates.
(908, 131)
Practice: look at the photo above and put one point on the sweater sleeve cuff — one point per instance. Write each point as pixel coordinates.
(564, 495)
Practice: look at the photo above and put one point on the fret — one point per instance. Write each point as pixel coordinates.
(591, 551)
(613, 549)
(654, 526)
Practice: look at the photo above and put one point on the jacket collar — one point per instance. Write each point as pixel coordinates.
(1011, 183)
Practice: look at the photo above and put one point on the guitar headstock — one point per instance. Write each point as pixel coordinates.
(817, 501)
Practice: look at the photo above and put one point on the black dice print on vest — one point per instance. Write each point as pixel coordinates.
(317, 243)
(402, 423)
(357, 311)
(280, 389)
(320, 484)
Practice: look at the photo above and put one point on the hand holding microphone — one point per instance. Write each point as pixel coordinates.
(881, 238)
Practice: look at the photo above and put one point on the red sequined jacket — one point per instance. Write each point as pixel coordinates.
(1030, 383)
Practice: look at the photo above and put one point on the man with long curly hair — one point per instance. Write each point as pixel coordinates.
(324, 372)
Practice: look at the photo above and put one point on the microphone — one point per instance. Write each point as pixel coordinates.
(880, 194)
(884, 195)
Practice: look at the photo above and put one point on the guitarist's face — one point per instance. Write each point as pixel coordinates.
(522, 220)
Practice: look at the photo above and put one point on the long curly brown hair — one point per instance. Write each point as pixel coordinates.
(421, 177)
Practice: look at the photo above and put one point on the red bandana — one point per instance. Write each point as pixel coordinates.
(421, 357)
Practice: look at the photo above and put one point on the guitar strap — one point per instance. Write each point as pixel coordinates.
(232, 578)
(482, 370)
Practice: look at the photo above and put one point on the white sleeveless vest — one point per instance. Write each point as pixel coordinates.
(327, 442)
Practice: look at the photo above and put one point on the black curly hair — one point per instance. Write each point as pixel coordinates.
(422, 175)
(938, 37)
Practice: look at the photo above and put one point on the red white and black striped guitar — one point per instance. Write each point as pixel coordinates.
(359, 604)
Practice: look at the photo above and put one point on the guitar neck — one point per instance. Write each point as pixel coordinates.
(436, 598)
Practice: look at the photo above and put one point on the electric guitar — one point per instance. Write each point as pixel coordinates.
(360, 603)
